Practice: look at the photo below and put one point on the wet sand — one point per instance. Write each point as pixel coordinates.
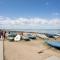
(29, 50)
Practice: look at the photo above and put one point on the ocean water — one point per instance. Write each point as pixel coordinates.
(39, 30)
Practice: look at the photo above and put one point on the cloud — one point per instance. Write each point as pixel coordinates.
(6, 21)
(28, 21)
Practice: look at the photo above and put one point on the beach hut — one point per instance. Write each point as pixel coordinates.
(17, 38)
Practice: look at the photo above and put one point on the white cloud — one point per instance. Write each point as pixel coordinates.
(6, 21)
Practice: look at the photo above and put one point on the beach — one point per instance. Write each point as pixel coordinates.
(29, 50)
(1, 49)
(30, 29)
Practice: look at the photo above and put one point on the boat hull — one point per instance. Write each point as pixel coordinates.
(54, 43)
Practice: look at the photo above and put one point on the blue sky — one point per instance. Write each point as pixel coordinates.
(45, 11)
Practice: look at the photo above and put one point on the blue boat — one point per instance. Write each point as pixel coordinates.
(49, 35)
(53, 43)
(52, 35)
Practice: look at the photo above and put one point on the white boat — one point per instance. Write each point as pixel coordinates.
(42, 36)
(17, 38)
(26, 38)
(56, 36)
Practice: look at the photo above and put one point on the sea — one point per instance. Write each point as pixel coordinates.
(38, 30)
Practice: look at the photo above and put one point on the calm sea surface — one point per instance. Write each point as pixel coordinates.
(39, 30)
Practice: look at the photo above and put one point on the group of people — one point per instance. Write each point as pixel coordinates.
(2, 34)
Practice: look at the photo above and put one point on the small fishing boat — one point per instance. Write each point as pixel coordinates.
(17, 38)
(53, 43)
(42, 36)
(11, 37)
(31, 36)
(26, 38)
(58, 34)
(49, 35)
(52, 35)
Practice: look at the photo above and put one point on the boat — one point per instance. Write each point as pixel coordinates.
(17, 38)
(26, 38)
(52, 35)
(11, 37)
(43, 36)
(53, 43)
(58, 34)
(49, 35)
(31, 36)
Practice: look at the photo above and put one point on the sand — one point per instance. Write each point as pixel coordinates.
(1, 50)
(28, 50)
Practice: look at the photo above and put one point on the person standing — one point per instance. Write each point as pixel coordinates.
(1, 35)
(4, 35)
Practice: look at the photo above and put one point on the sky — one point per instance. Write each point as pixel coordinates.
(30, 14)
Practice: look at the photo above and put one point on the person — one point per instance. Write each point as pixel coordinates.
(4, 34)
(1, 34)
